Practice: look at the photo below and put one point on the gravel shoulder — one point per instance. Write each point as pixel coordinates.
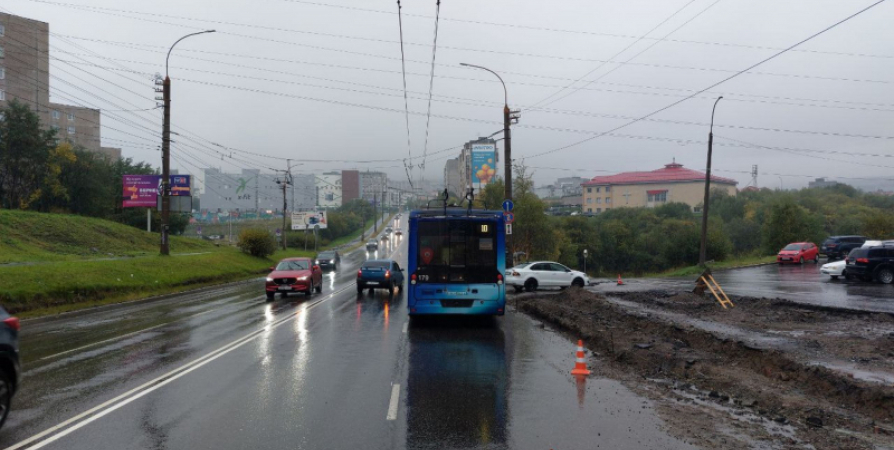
(767, 373)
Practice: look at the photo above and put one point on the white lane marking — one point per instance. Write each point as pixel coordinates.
(395, 399)
(406, 325)
(154, 384)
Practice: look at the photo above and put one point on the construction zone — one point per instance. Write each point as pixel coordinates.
(737, 372)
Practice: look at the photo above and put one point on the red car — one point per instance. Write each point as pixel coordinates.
(798, 253)
(294, 275)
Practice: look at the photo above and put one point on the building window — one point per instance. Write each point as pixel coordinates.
(598, 189)
(599, 210)
(589, 209)
(71, 130)
(657, 196)
(2, 53)
(2, 30)
(608, 200)
(608, 189)
(589, 200)
(598, 200)
(56, 115)
(2, 73)
(589, 190)
(2, 94)
(71, 116)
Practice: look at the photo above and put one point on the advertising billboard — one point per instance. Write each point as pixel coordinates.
(307, 220)
(141, 191)
(484, 165)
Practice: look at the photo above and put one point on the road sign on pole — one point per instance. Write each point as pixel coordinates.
(507, 205)
(508, 228)
(509, 217)
(278, 232)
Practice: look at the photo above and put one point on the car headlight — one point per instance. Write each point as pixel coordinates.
(317, 262)
(269, 280)
(302, 278)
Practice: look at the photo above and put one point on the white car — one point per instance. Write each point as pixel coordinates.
(839, 268)
(540, 274)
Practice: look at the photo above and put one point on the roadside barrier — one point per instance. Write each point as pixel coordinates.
(708, 280)
(580, 364)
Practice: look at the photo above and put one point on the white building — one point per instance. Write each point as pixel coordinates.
(329, 190)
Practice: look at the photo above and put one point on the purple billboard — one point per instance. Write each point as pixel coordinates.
(141, 191)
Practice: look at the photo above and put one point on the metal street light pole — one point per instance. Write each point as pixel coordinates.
(507, 159)
(166, 153)
(703, 250)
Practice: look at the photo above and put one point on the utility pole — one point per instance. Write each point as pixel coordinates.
(286, 182)
(703, 250)
(166, 152)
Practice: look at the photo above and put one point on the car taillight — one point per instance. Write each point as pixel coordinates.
(413, 279)
(831, 245)
(359, 273)
(387, 274)
(499, 278)
(863, 260)
(12, 322)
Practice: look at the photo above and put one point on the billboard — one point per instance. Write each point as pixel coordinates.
(484, 165)
(141, 191)
(307, 220)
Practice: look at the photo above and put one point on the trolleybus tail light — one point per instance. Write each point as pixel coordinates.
(413, 279)
(499, 278)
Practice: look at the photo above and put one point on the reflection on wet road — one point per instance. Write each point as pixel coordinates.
(226, 369)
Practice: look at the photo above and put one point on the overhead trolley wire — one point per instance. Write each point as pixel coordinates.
(431, 83)
(403, 66)
(665, 108)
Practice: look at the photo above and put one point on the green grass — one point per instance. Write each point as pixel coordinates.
(33, 237)
(729, 264)
(68, 285)
(58, 271)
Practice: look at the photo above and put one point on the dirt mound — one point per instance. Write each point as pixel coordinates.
(775, 384)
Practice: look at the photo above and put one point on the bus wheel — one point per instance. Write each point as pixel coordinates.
(531, 285)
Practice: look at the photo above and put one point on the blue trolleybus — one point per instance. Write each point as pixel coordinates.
(456, 262)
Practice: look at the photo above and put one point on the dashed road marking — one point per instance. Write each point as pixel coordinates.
(395, 400)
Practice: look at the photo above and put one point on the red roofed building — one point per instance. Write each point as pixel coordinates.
(673, 183)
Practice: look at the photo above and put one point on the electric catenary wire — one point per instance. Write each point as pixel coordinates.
(665, 108)
(403, 67)
(431, 83)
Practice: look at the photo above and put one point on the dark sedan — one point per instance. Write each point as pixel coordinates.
(9, 361)
(329, 260)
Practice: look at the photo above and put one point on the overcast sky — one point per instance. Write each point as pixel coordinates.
(321, 80)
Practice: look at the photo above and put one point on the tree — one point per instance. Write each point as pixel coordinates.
(879, 226)
(24, 152)
(787, 222)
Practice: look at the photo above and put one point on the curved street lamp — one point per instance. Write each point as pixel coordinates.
(703, 250)
(166, 151)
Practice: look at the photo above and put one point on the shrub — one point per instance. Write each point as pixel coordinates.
(257, 242)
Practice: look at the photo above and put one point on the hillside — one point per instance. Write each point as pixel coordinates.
(29, 236)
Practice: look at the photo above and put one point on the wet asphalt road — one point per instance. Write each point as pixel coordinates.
(224, 369)
(804, 284)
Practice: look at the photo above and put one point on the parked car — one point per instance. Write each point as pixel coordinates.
(872, 263)
(531, 276)
(294, 275)
(798, 253)
(328, 260)
(372, 245)
(9, 361)
(837, 269)
(839, 246)
(380, 273)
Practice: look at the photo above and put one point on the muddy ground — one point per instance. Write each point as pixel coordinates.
(763, 374)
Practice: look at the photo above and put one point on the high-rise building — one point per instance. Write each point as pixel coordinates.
(477, 163)
(452, 178)
(329, 192)
(350, 186)
(25, 76)
(373, 186)
(251, 190)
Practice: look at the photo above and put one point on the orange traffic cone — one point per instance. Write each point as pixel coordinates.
(580, 365)
(620, 281)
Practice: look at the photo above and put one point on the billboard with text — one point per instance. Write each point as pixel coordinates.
(308, 220)
(483, 164)
(141, 191)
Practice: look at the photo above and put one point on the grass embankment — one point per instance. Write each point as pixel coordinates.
(729, 264)
(57, 263)
(34, 237)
